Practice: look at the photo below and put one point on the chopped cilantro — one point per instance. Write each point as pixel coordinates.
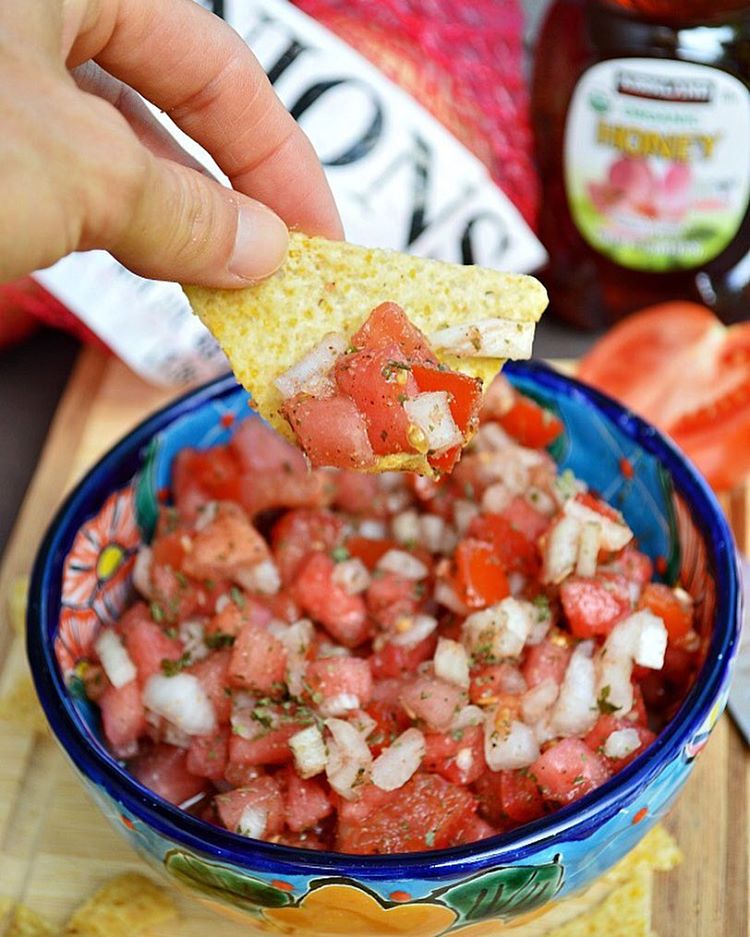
(157, 612)
(339, 554)
(429, 838)
(218, 640)
(237, 596)
(603, 704)
(171, 668)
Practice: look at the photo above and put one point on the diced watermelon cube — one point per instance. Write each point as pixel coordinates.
(163, 770)
(568, 770)
(123, 717)
(208, 755)
(258, 661)
(344, 616)
(264, 794)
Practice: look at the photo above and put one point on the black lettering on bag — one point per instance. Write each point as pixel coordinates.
(369, 138)
(468, 252)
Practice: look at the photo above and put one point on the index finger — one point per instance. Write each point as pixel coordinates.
(197, 69)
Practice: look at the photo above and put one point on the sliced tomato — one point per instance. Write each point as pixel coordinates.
(369, 550)
(530, 424)
(465, 392)
(395, 660)
(679, 367)
(388, 323)
(331, 430)
(300, 532)
(258, 448)
(379, 380)
(662, 601)
(480, 578)
(516, 551)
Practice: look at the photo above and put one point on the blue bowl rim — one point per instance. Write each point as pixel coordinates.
(506, 848)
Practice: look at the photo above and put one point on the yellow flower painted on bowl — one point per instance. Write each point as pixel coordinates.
(339, 909)
(493, 927)
(96, 577)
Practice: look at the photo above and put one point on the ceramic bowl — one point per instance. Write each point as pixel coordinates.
(82, 579)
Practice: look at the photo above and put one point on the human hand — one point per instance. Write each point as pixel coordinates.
(84, 164)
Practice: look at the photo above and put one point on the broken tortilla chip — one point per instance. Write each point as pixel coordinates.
(625, 912)
(327, 286)
(17, 600)
(23, 922)
(21, 707)
(126, 906)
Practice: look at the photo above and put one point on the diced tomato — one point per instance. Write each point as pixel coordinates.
(331, 430)
(198, 477)
(465, 393)
(509, 795)
(188, 495)
(369, 550)
(370, 799)
(265, 491)
(593, 606)
(525, 518)
(225, 546)
(457, 756)
(480, 578)
(306, 802)
(547, 660)
(333, 676)
(213, 673)
(633, 565)
(258, 448)
(344, 616)
(282, 607)
(474, 829)
(433, 701)
(148, 646)
(264, 794)
(391, 722)
(123, 717)
(357, 493)
(662, 601)
(517, 552)
(163, 770)
(174, 596)
(396, 660)
(169, 550)
(271, 748)
(300, 532)
(428, 814)
(258, 661)
(568, 770)
(391, 597)
(230, 620)
(388, 323)
(530, 424)
(608, 723)
(208, 755)
(491, 682)
(378, 381)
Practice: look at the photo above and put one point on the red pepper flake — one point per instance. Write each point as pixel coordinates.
(127, 821)
(162, 495)
(282, 885)
(400, 896)
(626, 468)
(226, 420)
(640, 815)
(660, 564)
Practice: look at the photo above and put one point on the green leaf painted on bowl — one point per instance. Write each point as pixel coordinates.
(224, 883)
(146, 495)
(506, 891)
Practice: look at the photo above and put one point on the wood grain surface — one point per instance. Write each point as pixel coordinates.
(54, 845)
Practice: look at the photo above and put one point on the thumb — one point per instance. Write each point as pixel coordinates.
(185, 226)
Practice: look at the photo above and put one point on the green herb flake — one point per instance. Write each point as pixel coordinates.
(218, 640)
(237, 596)
(157, 612)
(603, 704)
(340, 554)
(170, 668)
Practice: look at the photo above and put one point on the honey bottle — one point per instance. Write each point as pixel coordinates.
(641, 112)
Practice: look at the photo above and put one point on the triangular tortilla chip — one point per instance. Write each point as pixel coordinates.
(328, 286)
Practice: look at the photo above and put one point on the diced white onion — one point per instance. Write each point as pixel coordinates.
(206, 514)
(418, 628)
(391, 481)
(397, 501)
(114, 658)
(142, 571)
(464, 760)
(349, 759)
(502, 629)
(491, 437)
(589, 542)
(340, 704)
(403, 564)
(363, 723)
(446, 595)
(182, 700)
(243, 724)
(508, 747)
(296, 639)
(516, 583)
(252, 822)
(352, 576)
(309, 750)
(396, 764)
(464, 513)
(221, 603)
(431, 412)
(372, 530)
(496, 498)
(466, 717)
(614, 535)
(452, 662)
(174, 736)
(652, 640)
(575, 711)
(405, 527)
(541, 500)
(640, 638)
(561, 550)
(537, 701)
(432, 533)
(192, 635)
(309, 374)
(621, 743)
(508, 466)
(262, 577)
(486, 338)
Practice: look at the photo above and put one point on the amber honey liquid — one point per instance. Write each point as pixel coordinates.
(642, 121)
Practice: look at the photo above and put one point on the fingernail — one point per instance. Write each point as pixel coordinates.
(261, 243)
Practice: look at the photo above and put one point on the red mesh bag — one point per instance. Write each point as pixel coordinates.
(462, 60)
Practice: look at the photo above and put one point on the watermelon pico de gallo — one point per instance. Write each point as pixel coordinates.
(385, 663)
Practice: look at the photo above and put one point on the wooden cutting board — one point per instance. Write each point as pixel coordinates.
(55, 847)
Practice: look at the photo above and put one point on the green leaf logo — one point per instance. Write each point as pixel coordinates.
(224, 883)
(599, 102)
(504, 891)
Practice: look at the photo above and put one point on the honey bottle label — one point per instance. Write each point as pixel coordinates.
(657, 161)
